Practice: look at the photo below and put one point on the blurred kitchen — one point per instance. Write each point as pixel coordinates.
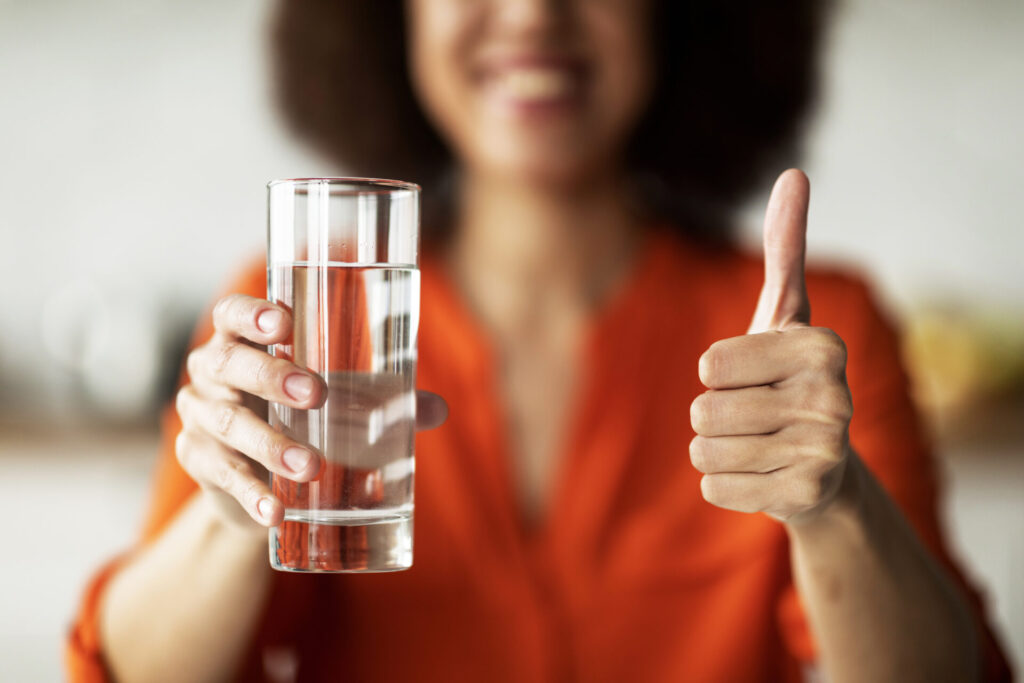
(136, 140)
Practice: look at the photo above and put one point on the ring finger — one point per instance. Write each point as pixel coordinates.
(215, 466)
(759, 454)
(241, 429)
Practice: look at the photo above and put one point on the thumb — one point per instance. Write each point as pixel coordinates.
(783, 302)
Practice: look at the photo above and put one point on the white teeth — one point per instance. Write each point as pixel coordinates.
(535, 83)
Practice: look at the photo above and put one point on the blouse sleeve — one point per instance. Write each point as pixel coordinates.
(886, 433)
(171, 488)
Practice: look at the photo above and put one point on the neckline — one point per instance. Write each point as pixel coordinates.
(652, 246)
(655, 252)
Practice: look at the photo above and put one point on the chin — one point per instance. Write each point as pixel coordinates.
(541, 162)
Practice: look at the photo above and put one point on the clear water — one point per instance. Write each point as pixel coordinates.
(350, 517)
(356, 327)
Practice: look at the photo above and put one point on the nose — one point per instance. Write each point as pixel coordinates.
(531, 16)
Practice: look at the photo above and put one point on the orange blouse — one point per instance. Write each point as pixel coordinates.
(632, 576)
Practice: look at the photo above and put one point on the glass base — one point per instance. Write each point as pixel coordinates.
(384, 546)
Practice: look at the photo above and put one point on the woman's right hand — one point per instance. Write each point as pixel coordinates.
(225, 443)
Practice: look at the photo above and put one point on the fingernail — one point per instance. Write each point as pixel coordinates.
(297, 459)
(265, 507)
(299, 387)
(268, 320)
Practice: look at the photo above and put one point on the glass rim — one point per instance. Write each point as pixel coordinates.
(355, 185)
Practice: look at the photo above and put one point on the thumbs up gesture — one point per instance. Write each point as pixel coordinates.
(772, 429)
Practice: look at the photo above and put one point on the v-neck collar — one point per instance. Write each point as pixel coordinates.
(472, 348)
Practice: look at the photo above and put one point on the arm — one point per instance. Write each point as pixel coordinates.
(773, 437)
(185, 606)
(882, 608)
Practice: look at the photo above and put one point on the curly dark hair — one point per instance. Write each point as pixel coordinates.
(734, 81)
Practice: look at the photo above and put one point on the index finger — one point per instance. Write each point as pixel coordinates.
(748, 361)
(772, 357)
(258, 320)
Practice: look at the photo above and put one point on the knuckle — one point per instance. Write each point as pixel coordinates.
(820, 448)
(221, 310)
(265, 372)
(232, 476)
(829, 405)
(192, 362)
(716, 365)
(707, 488)
(832, 405)
(827, 351)
(224, 478)
(269, 445)
(812, 451)
(710, 489)
(700, 456)
(227, 414)
(700, 413)
(836, 342)
(222, 359)
(243, 314)
(250, 492)
(709, 365)
(182, 443)
(839, 405)
(227, 308)
(181, 402)
(817, 356)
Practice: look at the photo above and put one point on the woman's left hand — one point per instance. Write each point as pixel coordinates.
(772, 429)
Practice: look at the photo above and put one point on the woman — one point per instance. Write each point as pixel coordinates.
(579, 321)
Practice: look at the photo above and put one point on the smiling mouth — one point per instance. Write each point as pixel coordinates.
(535, 84)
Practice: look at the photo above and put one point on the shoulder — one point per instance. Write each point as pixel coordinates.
(742, 266)
(844, 300)
(724, 281)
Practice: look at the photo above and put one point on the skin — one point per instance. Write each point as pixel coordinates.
(773, 437)
(217, 544)
(546, 231)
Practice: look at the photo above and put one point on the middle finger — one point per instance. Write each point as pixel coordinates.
(241, 429)
(737, 412)
(257, 372)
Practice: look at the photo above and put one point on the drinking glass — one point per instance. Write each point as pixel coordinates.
(343, 257)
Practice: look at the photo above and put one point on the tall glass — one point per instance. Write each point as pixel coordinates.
(343, 257)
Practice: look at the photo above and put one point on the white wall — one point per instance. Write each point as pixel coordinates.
(916, 156)
(136, 138)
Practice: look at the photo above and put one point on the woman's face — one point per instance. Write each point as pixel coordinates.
(535, 90)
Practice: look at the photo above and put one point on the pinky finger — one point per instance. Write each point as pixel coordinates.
(742, 492)
(225, 470)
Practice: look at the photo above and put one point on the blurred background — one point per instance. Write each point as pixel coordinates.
(135, 142)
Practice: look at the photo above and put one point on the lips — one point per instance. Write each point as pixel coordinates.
(535, 83)
(532, 81)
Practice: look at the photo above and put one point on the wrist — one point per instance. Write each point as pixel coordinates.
(843, 510)
(225, 516)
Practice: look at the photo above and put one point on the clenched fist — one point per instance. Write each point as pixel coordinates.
(772, 429)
